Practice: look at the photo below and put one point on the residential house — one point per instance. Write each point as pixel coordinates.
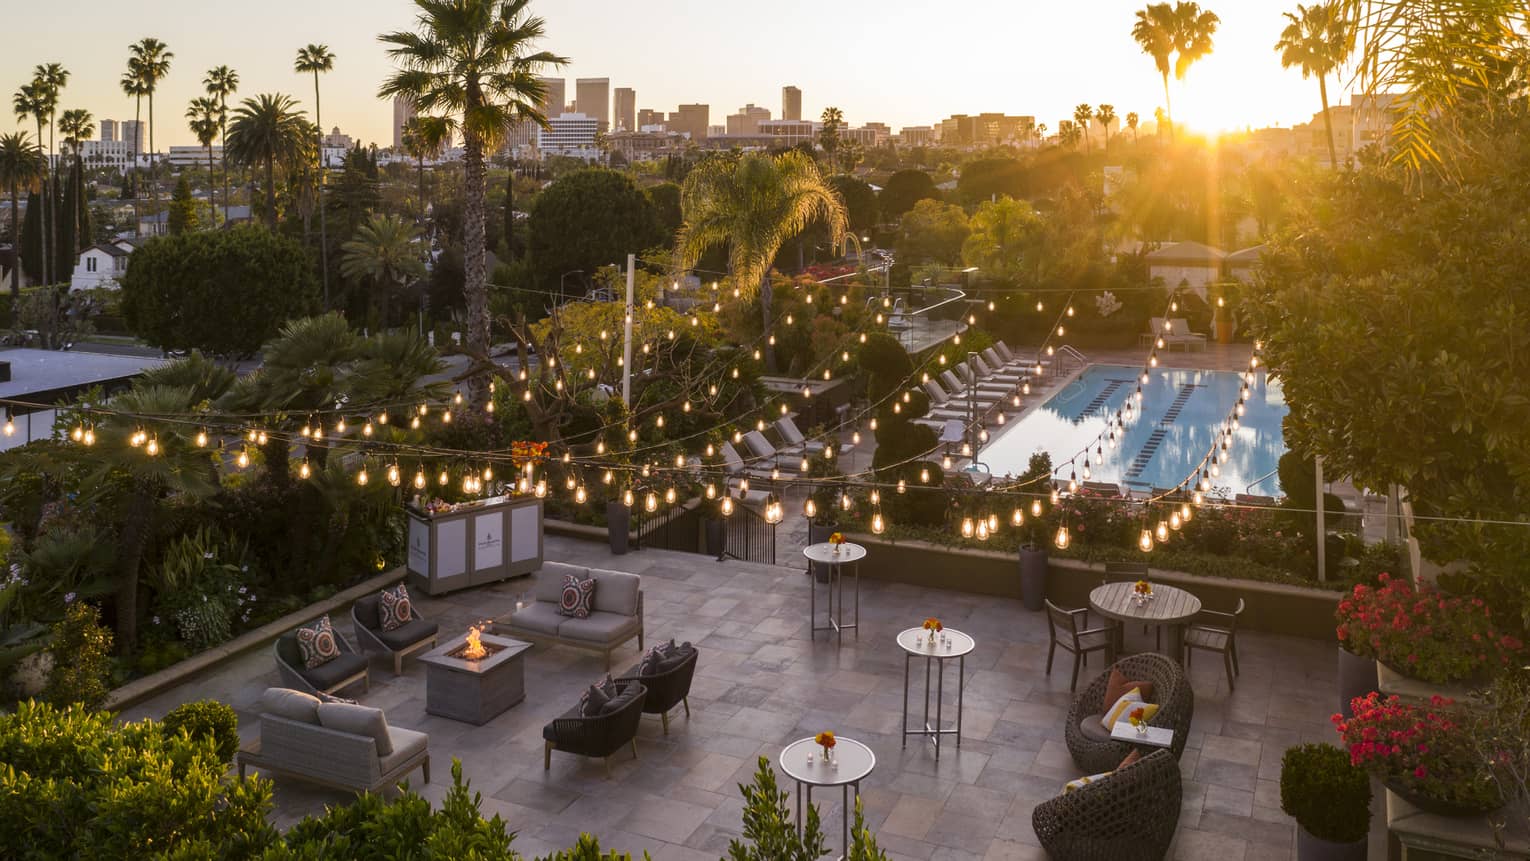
(100, 265)
(1186, 265)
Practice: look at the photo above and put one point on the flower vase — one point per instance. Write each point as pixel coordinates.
(833, 549)
(1141, 729)
(932, 639)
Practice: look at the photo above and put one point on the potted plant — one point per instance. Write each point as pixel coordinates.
(1330, 799)
(1425, 753)
(618, 525)
(1033, 551)
(1357, 656)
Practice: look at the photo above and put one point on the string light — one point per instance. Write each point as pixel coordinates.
(1145, 541)
(243, 460)
(201, 439)
(1062, 538)
(303, 470)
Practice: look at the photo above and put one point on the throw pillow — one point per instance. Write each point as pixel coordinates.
(1117, 711)
(650, 664)
(358, 720)
(1148, 710)
(316, 641)
(290, 704)
(593, 701)
(1080, 783)
(331, 698)
(394, 609)
(1119, 684)
(607, 686)
(1130, 758)
(577, 596)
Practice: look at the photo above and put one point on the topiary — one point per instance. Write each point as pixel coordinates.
(82, 661)
(1325, 793)
(207, 719)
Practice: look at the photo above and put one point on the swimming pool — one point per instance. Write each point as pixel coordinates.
(1181, 410)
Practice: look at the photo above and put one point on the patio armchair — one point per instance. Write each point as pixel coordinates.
(1215, 631)
(598, 735)
(413, 636)
(668, 686)
(1130, 815)
(1065, 628)
(328, 677)
(1090, 743)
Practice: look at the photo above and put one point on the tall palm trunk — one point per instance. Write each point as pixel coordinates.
(223, 123)
(212, 194)
(1168, 106)
(475, 287)
(130, 547)
(153, 186)
(133, 174)
(422, 189)
(1333, 154)
(271, 191)
(765, 303)
(50, 229)
(16, 245)
(323, 229)
(44, 212)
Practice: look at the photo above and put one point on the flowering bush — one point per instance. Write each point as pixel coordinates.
(1423, 633)
(1428, 751)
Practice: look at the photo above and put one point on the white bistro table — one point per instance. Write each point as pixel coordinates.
(915, 643)
(803, 762)
(825, 554)
(1156, 736)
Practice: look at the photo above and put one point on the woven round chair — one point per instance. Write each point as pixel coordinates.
(1132, 814)
(666, 688)
(598, 736)
(1171, 691)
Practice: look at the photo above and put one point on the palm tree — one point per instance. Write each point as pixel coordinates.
(222, 82)
(828, 137)
(753, 204)
(1193, 35)
(202, 117)
(470, 65)
(268, 129)
(1082, 115)
(1068, 134)
(1131, 122)
(384, 253)
(21, 165)
(153, 58)
(132, 84)
(418, 142)
(1107, 115)
(1154, 32)
(1318, 39)
(1182, 31)
(33, 100)
(317, 59)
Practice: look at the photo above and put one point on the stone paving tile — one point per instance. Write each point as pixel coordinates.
(761, 682)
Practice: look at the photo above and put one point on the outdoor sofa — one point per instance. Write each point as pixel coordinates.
(337, 744)
(616, 611)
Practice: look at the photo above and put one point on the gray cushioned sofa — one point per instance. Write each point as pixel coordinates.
(616, 611)
(340, 745)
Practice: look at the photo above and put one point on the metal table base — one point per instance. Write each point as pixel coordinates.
(844, 809)
(836, 622)
(934, 731)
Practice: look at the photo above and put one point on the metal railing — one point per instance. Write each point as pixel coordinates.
(1069, 352)
(748, 537)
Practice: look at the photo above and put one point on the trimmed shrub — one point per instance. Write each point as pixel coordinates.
(82, 661)
(1327, 795)
(207, 719)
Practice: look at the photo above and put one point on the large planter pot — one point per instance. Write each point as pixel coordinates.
(618, 522)
(1436, 806)
(714, 536)
(818, 535)
(1309, 848)
(1357, 677)
(1393, 682)
(1033, 577)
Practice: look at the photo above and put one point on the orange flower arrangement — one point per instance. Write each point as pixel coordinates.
(933, 624)
(825, 740)
(837, 538)
(1143, 587)
(1135, 716)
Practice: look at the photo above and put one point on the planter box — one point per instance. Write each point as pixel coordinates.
(1393, 683)
(1273, 607)
(1415, 834)
(474, 545)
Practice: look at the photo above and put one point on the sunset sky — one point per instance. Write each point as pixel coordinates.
(896, 61)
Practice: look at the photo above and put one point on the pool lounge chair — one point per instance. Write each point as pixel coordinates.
(1179, 333)
(986, 372)
(768, 455)
(737, 467)
(998, 362)
(940, 399)
(951, 383)
(794, 439)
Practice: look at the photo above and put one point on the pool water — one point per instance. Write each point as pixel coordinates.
(1181, 411)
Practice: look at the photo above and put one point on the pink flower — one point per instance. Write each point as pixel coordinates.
(1421, 772)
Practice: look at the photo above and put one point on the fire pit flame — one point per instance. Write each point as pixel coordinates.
(474, 650)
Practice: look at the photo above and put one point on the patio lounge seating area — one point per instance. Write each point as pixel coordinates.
(761, 682)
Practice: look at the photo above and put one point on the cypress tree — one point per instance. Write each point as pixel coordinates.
(31, 239)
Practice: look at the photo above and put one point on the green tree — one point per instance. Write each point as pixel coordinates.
(1318, 39)
(1006, 236)
(203, 117)
(153, 58)
(385, 254)
(753, 204)
(1106, 115)
(182, 215)
(588, 219)
(1131, 123)
(224, 292)
(21, 166)
(932, 231)
(1181, 32)
(665, 198)
(134, 86)
(828, 136)
(904, 189)
(72, 230)
(1082, 114)
(82, 659)
(860, 200)
(33, 101)
(222, 82)
(318, 59)
(268, 130)
(470, 67)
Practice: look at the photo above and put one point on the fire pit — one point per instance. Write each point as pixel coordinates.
(474, 677)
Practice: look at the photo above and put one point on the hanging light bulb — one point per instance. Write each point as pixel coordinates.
(608, 477)
(1184, 512)
(307, 430)
(1036, 508)
(580, 495)
(488, 472)
(1017, 517)
(446, 415)
(340, 425)
(419, 479)
(873, 423)
(844, 501)
(1055, 496)
(243, 459)
(669, 495)
(1062, 538)
(727, 506)
(361, 477)
(201, 438)
(967, 527)
(1145, 541)
(627, 499)
(414, 421)
(393, 476)
(303, 469)
(878, 526)
(1161, 532)
(902, 486)
(711, 490)
(982, 529)
(153, 447)
(382, 417)
(1174, 521)
(366, 429)
(651, 502)
(810, 508)
(443, 478)
(924, 475)
(89, 437)
(541, 488)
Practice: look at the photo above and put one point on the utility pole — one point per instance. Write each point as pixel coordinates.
(627, 333)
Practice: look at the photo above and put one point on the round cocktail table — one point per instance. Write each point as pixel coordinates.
(915, 643)
(853, 761)
(824, 554)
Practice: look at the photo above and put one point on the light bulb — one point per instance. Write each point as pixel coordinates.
(201, 439)
(651, 502)
(361, 477)
(419, 480)
(1161, 532)
(414, 422)
(810, 508)
(902, 486)
(1036, 508)
(153, 447)
(340, 426)
(1145, 541)
(727, 505)
(967, 527)
(443, 478)
(669, 496)
(924, 475)
(382, 418)
(627, 497)
(1061, 538)
(877, 526)
(711, 490)
(580, 495)
(541, 488)
(243, 460)
(366, 429)
(1175, 522)
(982, 530)
(303, 469)
(89, 437)
(1017, 518)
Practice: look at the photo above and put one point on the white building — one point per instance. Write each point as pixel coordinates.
(570, 135)
(100, 266)
(182, 157)
(107, 153)
(1189, 265)
(335, 148)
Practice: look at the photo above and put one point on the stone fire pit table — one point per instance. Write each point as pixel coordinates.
(475, 691)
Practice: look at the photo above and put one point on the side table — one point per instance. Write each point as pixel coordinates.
(1156, 736)
(824, 554)
(803, 762)
(915, 643)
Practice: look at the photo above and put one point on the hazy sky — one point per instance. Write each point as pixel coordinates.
(896, 61)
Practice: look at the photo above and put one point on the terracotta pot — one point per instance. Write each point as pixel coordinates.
(1309, 848)
(1357, 677)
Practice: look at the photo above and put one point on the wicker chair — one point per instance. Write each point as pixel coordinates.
(600, 735)
(1132, 814)
(1064, 627)
(1216, 631)
(416, 635)
(1096, 752)
(667, 688)
(328, 677)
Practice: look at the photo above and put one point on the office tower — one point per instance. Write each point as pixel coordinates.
(626, 109)
(553, 99)
(692, 120)
(403, 112)
(791, 103)
(649, 117)
(571, 135)
(131, 133)
(592, 97)
(747, 120)
(108, 130)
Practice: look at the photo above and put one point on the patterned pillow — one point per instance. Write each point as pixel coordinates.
(593, 700)
(650, 664)
(316, 641)
(393, 608)
(578, 595)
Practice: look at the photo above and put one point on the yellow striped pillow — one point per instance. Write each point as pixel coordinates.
(1128, 701)
(1080, 783)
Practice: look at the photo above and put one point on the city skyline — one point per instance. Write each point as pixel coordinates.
(1240, 85)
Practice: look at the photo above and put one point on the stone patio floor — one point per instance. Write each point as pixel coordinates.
(761, 683)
